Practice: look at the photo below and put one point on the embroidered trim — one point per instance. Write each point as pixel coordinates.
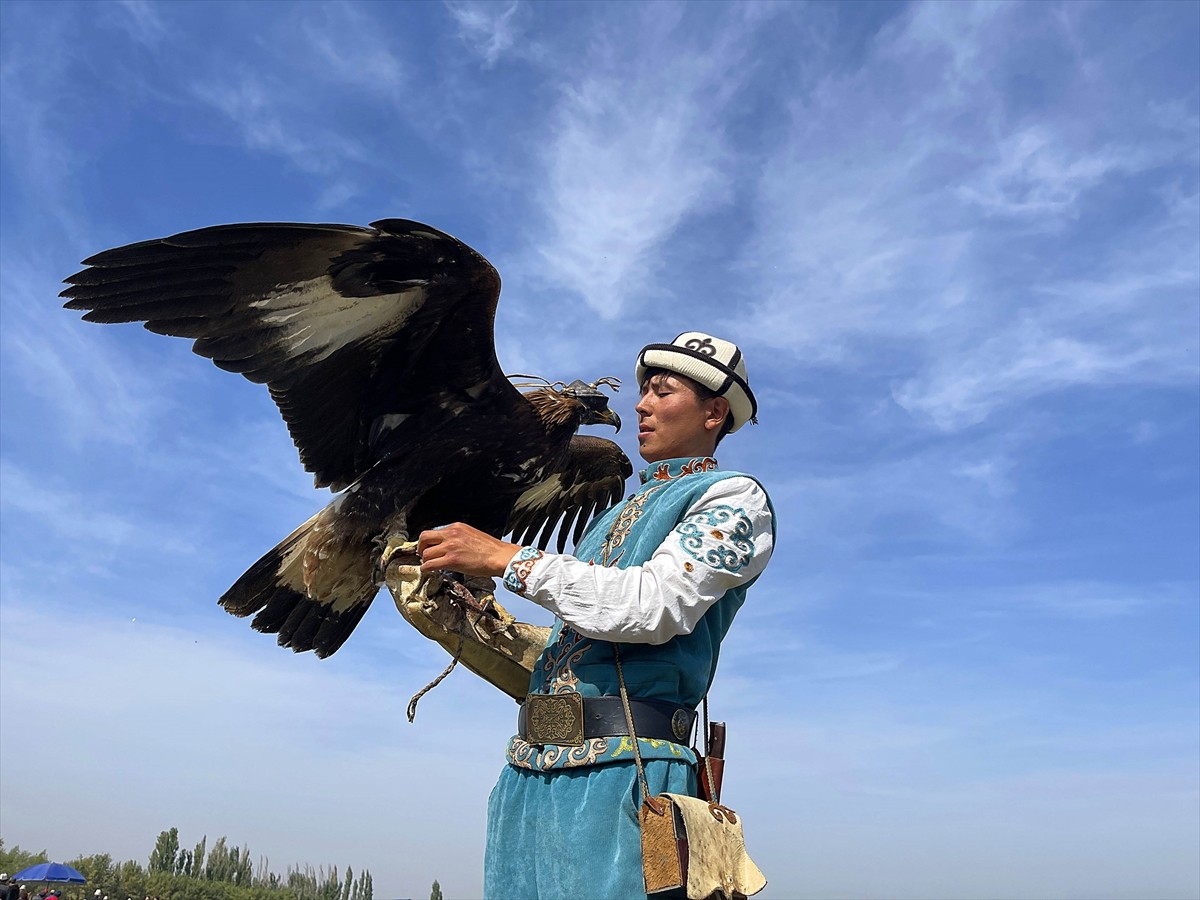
(691, 467)
(560, 658)
(524, 755)
(729, 547)
(701, 464)
(530, 756)
(629, 514)
(517, 576)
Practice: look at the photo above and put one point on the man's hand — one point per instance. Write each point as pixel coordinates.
(461, 548)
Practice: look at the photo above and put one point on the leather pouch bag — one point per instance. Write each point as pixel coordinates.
(697, 845)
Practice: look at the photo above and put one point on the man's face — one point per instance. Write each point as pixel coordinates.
(673, 421)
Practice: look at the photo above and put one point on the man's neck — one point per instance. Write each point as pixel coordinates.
(692, 453)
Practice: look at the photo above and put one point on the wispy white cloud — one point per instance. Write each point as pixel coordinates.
(35, 114)
(1033, 177)
(1133, 322)
(352, 48)
(94, 393)
(1092, 600)
(143, 22)
(61, 510)
(491, 29)
(964, 494)
(635, 146)
(883, 230)
(956, 36)
(959, 391)
(290, 98)
(258, 107)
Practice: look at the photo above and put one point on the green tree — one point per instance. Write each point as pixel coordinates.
(198, 858)
(219, 867)
(129, 880)
(436, 893)
(98, 869)
(166, 851)
(363, 888)
(223, 874)
(16, 859)
(243, 872)
(331, 887)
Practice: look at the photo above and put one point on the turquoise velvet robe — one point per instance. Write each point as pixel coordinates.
(562, 821)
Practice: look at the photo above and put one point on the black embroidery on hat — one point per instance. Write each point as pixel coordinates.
(704, 346)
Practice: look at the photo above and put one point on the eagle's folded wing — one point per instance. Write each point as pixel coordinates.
(353, 329)
(591, 480)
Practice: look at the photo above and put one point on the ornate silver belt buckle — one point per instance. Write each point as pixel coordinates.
(554, 719)
(681, 724)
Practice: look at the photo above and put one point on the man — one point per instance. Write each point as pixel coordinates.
(662, 575)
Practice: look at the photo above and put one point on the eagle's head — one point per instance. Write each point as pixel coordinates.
(594, 402)
(571, 405)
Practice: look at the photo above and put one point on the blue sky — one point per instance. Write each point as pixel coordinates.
(960, 245)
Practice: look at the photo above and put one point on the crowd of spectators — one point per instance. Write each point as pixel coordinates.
(10, 890)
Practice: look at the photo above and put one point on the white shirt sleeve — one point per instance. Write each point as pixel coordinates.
(725, 540)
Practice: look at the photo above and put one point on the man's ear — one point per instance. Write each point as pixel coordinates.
(717, 413)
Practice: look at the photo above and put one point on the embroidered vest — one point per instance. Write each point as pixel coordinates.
(679, 671)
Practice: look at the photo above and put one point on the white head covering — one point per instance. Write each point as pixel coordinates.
(707, 360)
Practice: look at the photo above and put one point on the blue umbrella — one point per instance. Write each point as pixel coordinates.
(50, 871)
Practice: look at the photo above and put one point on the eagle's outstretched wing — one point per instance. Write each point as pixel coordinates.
(354, 330)
(591, 480)
(377, 346)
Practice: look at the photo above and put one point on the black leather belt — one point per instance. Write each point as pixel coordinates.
(569, 719)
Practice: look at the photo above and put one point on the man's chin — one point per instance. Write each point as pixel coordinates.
(647, 453)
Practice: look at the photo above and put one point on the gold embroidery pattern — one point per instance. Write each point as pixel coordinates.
(625, 746)
(629, 514)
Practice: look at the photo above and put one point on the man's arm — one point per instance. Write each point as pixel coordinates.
(724, 540)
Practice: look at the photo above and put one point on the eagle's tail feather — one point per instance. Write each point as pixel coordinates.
(274, 591)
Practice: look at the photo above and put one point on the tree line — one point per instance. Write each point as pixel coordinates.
(174, 872)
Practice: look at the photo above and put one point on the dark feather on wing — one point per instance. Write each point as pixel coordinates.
(334, 319)
(590, 480)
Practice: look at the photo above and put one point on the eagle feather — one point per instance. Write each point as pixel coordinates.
(376, 344)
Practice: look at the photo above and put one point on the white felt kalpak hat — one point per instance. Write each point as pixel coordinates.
(710, 361)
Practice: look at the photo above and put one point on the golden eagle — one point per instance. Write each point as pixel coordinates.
(376, 345)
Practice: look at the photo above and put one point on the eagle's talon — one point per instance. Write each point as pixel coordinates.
(391, 546)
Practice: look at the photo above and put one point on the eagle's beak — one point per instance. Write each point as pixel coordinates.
(606, 417)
